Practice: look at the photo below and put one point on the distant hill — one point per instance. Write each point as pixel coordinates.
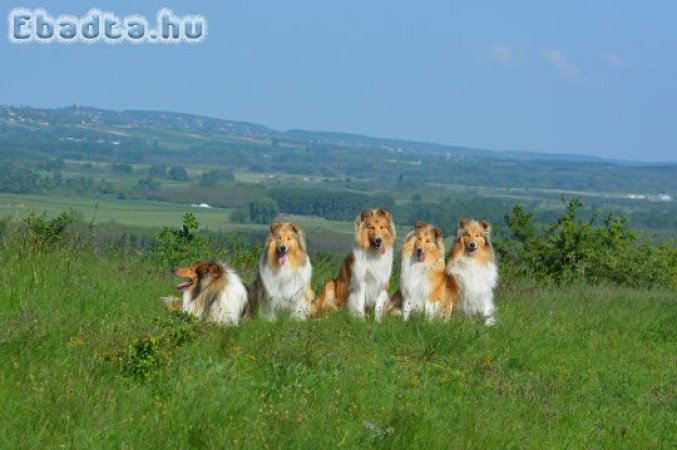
(153, 137)
(75, 115)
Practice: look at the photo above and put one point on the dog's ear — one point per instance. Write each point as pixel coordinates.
(215, 268)
(486, 226)
(463, 222)
(364, 215)
(437, 232)
(420, 224)
(300, 237)
(296, 228)
(275, 226)
(385, 212)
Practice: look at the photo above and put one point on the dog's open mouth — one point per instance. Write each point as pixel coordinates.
(381, 247)
(185, 285)
(471, 251)
(282, 258)
(420, 255)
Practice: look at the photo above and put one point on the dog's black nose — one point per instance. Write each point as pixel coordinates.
(419, 251)
(471, 245)
(283, 248)
(378, 241)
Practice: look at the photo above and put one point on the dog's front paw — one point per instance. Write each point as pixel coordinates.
(490, 321)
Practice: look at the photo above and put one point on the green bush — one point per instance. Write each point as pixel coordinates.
(571, 249)
(148, 354)
(143, 358)
(172, 246)
(42, 231)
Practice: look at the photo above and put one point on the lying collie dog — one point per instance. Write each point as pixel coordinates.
(424, 285)
(473, 264)
(283, 281)
(365, 275)
(212, 292)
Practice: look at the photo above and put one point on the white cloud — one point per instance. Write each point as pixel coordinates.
(613, 60)
(501, 53)
(566, 68)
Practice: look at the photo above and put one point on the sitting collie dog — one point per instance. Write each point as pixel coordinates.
(283, 281)
(473, 264)
(212, 292)
(424, 285)
(365, 275)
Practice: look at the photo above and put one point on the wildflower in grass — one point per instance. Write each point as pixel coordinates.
(76, 341)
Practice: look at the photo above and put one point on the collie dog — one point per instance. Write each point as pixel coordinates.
(424, 285)
(283, 281)
(473, 264)
(365, 274)
(212, 292)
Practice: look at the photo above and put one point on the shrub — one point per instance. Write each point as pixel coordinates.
(43, 232)
(571, 249)
(148, 354)
(172, 246)
(143, 358)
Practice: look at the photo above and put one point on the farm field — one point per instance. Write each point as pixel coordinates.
(574, 366)
(155, 215)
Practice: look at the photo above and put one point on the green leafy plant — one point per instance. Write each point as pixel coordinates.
(43, 232)
(572, 249)
(173, 246)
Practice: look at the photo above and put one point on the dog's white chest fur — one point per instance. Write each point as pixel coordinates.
(477, 282)
(285, 287)
(414, 281)
(370, 275)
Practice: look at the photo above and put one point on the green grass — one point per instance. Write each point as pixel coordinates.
(573, 367)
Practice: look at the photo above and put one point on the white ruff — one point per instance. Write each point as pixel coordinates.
(415, 287)
(228, 307)
(285, 288)
(370, 276)
(477, 283)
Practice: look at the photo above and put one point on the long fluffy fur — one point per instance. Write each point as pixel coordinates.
(475, 270)
(424, 285)
(364, 277)
(283, 281)
(216, 294)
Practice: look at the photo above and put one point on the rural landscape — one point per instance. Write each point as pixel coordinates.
(97, 206)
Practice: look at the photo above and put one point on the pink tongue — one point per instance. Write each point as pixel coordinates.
(282, 260)
(421, 257)
(383, 249)
(471, 252)
(185, 285)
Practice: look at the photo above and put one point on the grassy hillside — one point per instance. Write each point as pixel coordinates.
(573, 366)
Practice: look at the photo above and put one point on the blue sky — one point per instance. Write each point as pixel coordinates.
(595, 78)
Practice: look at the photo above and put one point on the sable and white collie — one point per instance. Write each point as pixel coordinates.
(283, 281)
(212, 291)
(365, 274)
(472, 263)
(424, 285)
